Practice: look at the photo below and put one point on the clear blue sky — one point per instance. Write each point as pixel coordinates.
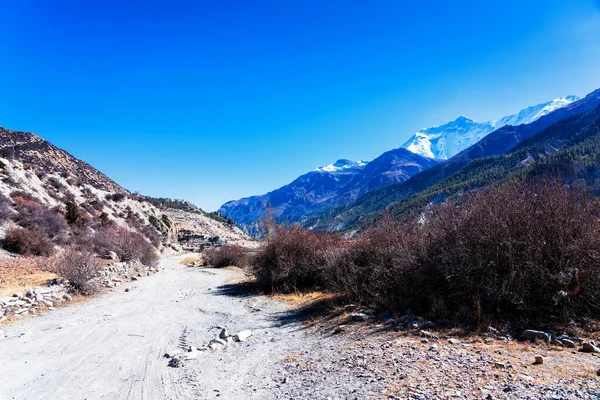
(216, 100)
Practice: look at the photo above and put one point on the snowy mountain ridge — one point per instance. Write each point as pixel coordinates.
(444, 141)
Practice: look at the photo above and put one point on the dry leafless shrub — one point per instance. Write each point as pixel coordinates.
(225, 256)
(37, 217)
(528, 251)
(127, 244)
(80, 268)
(27, 242)
(293, 259)
(6, 210)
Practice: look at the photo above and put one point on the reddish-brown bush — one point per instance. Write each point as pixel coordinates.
(523, 250)
(26, 242)
(225, 256)
(37, 217)
(294, 259)
(128, 245)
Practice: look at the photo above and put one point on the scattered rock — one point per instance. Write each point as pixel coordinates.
(535, 335)
(359, 317)
(126, 290)
(589, 347)
(18, 295)
(568, 343)
(340, 329)
(224, 334)
(453, 341)
(598, 372)
(67, 297)
(242, 336)
(175, 362)
(539, 360)
(134, 278)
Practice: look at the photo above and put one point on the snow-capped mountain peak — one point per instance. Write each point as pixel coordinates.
(445, 141)
(342, 165)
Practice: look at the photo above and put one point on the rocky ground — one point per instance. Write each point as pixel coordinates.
(162, 337)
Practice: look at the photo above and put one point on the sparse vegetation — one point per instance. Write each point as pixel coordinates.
(27, 242)
(295, 259)
(80, 268)
(225, 256)
(6, 210)
(116, 197)
(127, 244)
(520, 250)
(37, 217)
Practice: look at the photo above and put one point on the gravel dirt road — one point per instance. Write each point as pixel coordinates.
(113, 346)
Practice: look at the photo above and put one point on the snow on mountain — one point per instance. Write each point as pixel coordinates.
(445, 141)
(342, 165)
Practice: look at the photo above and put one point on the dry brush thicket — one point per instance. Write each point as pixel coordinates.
(526, 250)
(225, 256)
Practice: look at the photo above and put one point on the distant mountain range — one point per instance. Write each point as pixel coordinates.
(326, 187)
(564, 143)
(341, 195)
(445, 141)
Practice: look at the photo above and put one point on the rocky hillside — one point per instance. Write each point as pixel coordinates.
(186, 215)
(51, 199)
(40, 156)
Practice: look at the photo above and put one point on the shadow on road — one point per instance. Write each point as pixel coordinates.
(241, 289)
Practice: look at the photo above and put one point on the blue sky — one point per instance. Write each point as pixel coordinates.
(212, 101)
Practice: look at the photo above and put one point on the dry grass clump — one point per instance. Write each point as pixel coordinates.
(225, 256)
(17, 275)
(190, 260)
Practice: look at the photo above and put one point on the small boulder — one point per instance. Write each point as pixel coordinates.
(339, 329)
(175, 362)
(568, 343)
(67, 297)
(539, 360)
(359, 317)
(589, 347)
(453, 341)
(224, 334)
(242, 336)
(535, 335)
(134, 278)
